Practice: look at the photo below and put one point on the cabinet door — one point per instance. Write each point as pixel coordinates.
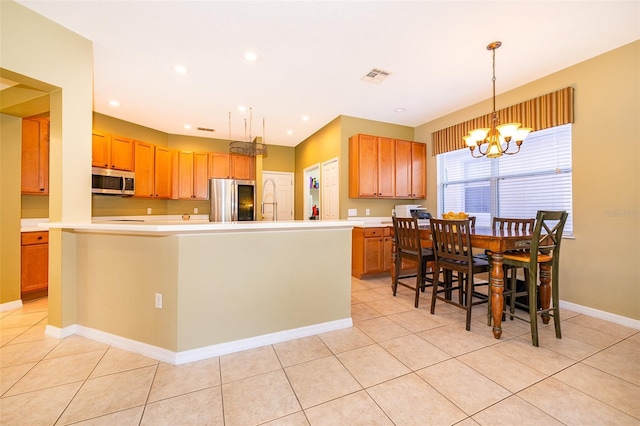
(184, 173)
(200, 175)
(418, 170)
(386, 254)
(218, 165)
(100, 150)
(386, 167)
(121, 153)
(363, 166)
(373, 252)
(403, 169)
(162, 172)
(241, 167)
(144, 168)
(34, 267)
(35, 156)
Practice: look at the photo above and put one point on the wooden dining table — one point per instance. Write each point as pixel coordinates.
(497, 242)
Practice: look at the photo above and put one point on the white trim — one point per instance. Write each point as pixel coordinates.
(255, 342)
(596, 313)
(198, 354)
(9, 306)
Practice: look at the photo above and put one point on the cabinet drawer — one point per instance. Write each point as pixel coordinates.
(373, 232)
(39, 237)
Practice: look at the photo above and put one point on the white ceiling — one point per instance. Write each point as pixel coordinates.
(313, 54)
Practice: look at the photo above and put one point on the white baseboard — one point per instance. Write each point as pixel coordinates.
(16, 304)
(198, 354)
(596, 313)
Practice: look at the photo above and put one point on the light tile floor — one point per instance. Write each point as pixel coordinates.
(397, 365)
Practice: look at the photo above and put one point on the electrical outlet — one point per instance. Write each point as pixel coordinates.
(159, 300)
(195, 210)
(352, 212)
(148, 210)
(367, 212)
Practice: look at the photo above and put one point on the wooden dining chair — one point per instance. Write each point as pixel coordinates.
(409, 247)
(543, 254)
(453, 252)
(511, 291)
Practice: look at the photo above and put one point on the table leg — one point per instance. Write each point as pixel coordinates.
(545, 290)
(497, 288)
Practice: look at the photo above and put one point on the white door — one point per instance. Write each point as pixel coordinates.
(330, 190)
(283, 195)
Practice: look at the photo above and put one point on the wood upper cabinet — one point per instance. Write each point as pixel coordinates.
(112, 152)
(410, 169)
(153, 170)
(191, 175)
(34, 261)
(144, 167)
(371, 167)
(242, 167)
(219, 165)
(35, 156)
(100, 149)
(162, 172)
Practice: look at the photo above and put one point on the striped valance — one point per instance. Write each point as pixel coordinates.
(552, 109)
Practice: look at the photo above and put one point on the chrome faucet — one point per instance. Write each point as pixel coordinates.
(275, 198)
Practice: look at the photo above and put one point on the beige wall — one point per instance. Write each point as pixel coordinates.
(48, 57)
(333, 141)
(10, 136)
(600, 266)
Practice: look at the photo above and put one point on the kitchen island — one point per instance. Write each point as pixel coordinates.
(181, 291)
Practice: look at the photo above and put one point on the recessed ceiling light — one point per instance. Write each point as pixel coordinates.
(114, 103)
(187, 126)
(251, 56)
(305, 118)
(242, 108)
(180, 69)
(399, 110)
(289, 132)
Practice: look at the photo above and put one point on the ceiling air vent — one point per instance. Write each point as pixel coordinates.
(376, 75)
(205, 129)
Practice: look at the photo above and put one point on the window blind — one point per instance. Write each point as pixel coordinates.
(539, 177)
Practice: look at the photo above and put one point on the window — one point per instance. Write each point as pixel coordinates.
(537, 178)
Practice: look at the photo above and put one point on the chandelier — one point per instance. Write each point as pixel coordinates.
(497, 137)
(247, 148)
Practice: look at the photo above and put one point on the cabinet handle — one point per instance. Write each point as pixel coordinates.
(40, 237)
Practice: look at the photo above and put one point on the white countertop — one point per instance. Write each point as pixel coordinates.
(371, 221)
(32, 225)
(172, 226)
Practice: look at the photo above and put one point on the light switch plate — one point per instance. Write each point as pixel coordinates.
(352, 212)
(367, 212)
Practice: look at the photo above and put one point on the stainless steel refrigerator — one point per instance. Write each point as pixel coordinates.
(232, 200)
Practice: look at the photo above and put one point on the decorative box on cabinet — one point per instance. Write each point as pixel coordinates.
(371, 251)
(35, 156)
(112, 152)
(34, 268)
(371, 167)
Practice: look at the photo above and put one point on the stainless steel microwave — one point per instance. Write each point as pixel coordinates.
(112, 182)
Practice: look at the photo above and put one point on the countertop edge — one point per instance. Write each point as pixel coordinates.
(190, 228)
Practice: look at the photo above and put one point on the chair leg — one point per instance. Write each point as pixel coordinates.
(489, 315)
(419, 287)
(533, 309)
(397, 266)
(436, 283)
(468, 286)
(555, 295)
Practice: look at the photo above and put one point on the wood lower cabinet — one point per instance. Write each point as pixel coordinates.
(34, 272)
(371, 251)
(35, 156)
